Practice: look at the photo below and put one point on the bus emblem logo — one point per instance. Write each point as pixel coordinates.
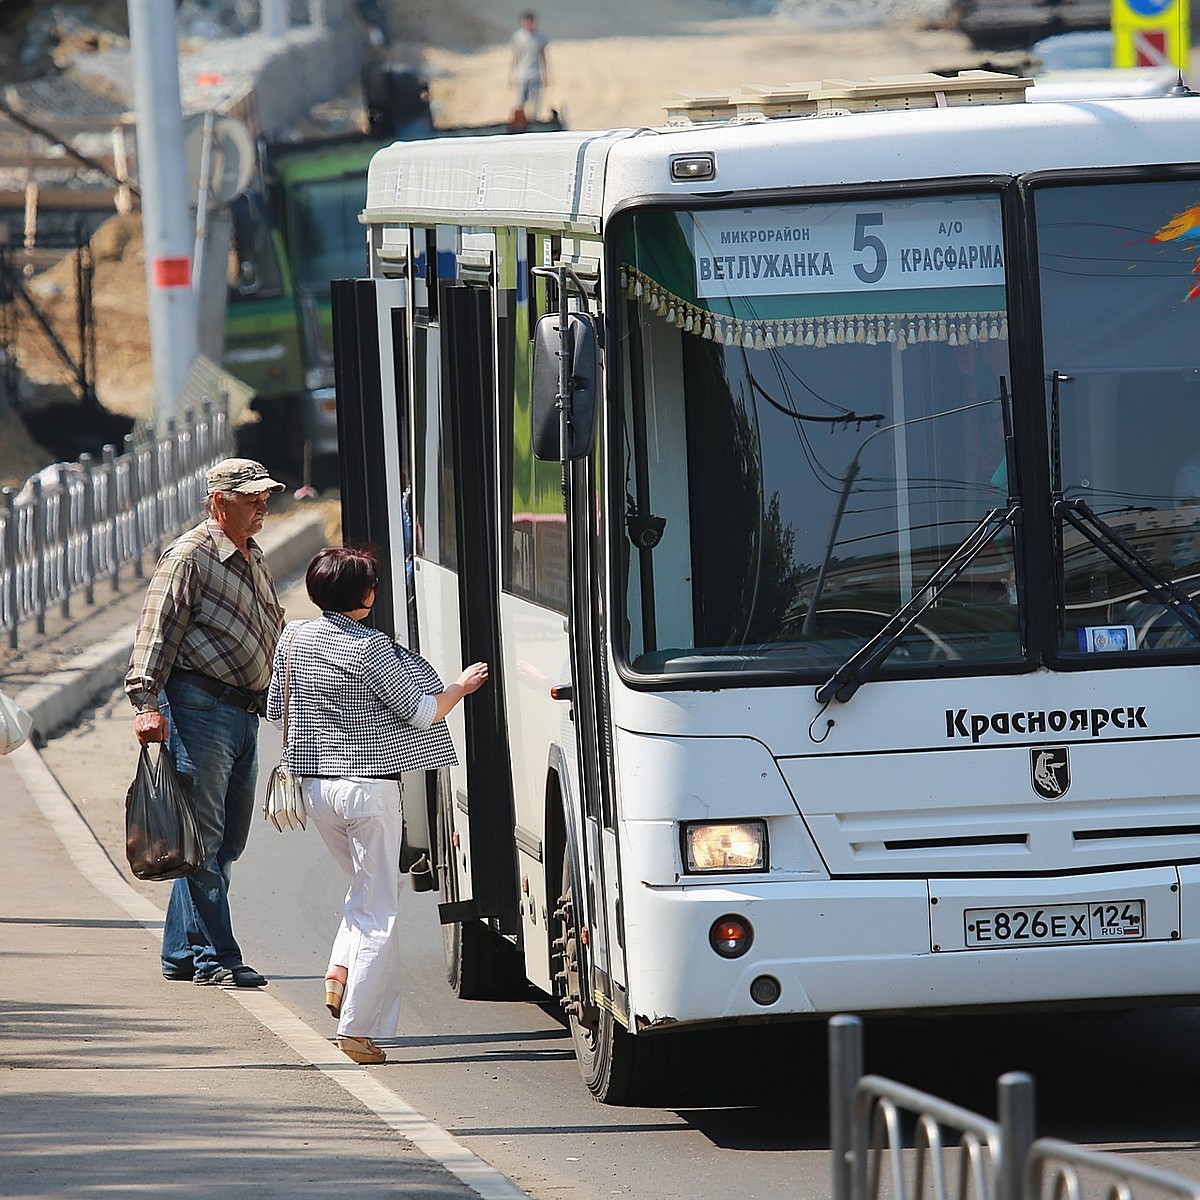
(1050, 768)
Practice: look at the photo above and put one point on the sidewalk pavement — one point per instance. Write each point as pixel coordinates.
(113, 1080)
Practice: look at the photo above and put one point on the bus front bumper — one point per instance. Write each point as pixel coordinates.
(912, 945)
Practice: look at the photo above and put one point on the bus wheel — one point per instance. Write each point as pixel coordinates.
(481, 964)
(617, 1067)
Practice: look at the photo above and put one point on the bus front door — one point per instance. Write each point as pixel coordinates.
(492, 913)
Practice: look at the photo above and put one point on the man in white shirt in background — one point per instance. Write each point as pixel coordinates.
(527, 73)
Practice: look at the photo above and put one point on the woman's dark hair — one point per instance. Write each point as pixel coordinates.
(339, 577)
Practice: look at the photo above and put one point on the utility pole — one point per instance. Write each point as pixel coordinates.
(166, 210)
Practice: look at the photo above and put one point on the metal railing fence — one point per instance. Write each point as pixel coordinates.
(955, 1154)
(74, 525)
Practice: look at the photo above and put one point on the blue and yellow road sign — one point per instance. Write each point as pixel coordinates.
(1151, 33)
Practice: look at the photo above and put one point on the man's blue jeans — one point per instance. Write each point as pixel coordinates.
(216, 744)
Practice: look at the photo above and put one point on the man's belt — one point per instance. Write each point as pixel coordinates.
(252, 702)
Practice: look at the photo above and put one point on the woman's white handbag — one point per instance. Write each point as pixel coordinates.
(283, 805)
(15, 724)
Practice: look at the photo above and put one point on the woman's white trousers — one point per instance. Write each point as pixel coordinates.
(359, 820)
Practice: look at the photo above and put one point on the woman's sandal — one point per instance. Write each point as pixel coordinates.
(335, 989)
(361, 1050)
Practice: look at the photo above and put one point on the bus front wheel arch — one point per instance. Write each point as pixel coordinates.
(617, 1067)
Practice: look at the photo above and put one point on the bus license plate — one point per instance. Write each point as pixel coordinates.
(1052, 924)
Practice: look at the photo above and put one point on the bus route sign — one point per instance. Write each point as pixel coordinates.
(848, 248)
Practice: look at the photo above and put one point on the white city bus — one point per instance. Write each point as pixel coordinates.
(838, 588)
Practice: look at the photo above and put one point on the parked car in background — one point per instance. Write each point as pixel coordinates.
(1110, 83)
(1083, 49)
(1079, 66)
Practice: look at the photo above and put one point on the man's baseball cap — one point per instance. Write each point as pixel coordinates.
(241, 475)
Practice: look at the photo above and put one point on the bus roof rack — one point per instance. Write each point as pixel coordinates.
(694, 107)
(757, 102)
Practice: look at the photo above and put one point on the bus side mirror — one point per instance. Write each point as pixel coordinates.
(579, 346)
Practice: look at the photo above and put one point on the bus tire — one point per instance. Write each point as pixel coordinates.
(481, 964)
(617, 1067)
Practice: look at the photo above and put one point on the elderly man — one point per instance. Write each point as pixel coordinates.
(198, 679)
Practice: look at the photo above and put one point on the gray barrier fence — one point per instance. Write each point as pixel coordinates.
(74, 525)
(955, 1154)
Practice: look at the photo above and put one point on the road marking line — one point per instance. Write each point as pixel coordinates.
(365, 1086)
(94, 864)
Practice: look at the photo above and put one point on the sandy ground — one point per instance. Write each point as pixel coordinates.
(124, 380)
(617, 63)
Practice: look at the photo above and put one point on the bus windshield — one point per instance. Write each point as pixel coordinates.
(815, 402)
(1120, 311)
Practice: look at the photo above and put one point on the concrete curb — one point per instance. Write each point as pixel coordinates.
(60, 697)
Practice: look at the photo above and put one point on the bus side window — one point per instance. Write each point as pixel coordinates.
(431, 273)
(534, 560)
(544, 251)
(424, 274)
(530, 283)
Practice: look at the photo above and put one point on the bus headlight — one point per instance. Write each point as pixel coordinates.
(725, 846)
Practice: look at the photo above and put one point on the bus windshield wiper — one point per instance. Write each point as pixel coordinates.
(871, 655)
(1103, 536)
(1144, 573)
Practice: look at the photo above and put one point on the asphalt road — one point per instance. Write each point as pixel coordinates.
(751, 1121)
(502, 1077)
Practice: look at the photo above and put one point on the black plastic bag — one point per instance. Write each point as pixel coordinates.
(162, 835)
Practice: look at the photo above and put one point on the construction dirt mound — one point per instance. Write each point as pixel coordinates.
(49, 392)
(124, 375)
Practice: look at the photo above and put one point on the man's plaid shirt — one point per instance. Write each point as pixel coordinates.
(209, 609)
(358, 704)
